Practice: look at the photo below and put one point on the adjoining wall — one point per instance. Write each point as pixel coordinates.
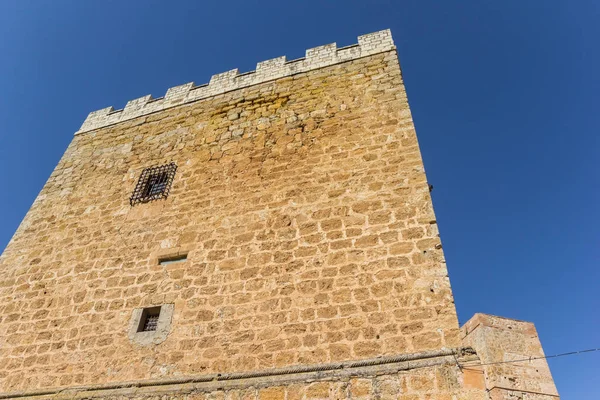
(498, 340)
(305, 211)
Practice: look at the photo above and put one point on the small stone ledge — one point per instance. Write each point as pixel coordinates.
(317, 57)
(258, 379)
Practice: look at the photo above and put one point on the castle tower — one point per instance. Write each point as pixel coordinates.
(268, 235)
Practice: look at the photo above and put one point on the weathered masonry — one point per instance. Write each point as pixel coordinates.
(268, 235)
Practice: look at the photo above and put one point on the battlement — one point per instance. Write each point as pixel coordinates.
(317, 57)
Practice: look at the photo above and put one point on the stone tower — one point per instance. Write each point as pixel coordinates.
(268, 235)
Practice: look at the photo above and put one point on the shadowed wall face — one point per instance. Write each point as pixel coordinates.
(304, 212)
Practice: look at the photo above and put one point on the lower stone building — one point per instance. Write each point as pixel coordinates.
(268, 235)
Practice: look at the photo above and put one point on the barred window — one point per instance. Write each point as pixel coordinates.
(154, 183)
(149, 319)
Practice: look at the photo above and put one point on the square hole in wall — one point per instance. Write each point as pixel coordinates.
(150, 325)
(149, 319)
(154, 183)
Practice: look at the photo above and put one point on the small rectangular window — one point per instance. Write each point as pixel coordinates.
(149, 320)
(172, 259)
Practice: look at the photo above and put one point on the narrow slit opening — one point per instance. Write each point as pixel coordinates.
(172, 259)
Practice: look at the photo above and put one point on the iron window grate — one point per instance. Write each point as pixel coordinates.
(150, 323)
(154, 184)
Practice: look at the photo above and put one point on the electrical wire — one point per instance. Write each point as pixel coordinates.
(541, 358)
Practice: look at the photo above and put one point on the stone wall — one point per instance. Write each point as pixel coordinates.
(318, 57)
(426, 378)
(512, 358)
(304, 209)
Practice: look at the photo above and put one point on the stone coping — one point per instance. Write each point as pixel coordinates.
(317, 57)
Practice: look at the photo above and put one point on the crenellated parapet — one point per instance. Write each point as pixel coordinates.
(317, 57)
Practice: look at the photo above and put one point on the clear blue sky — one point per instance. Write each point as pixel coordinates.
(505, 96)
